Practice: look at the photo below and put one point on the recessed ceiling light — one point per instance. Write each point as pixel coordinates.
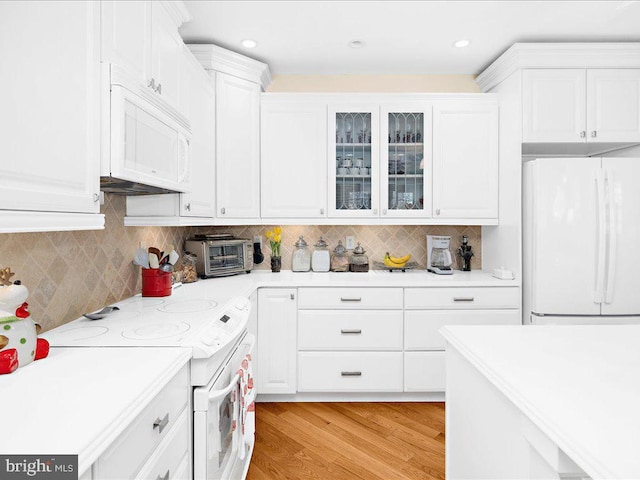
(249, 43)
(462, 43)
(356, 44)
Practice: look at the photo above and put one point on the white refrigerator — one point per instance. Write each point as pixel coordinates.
(581, 240)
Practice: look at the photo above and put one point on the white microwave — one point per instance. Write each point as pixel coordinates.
(148, 147)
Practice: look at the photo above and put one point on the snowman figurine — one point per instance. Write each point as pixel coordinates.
(19, 344)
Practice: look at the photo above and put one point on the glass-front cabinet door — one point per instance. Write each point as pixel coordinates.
(405, 160)
(354, 173)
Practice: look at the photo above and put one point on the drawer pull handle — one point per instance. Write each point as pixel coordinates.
(463, 299)
(351, 374)
(344, 330)
(347, 299)
(164, 477)
(161, 424)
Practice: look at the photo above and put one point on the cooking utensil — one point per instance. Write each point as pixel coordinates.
(153, 261)
(155, 251)
(141, 257)
(166, 267)
(173, 257)
(101, 314)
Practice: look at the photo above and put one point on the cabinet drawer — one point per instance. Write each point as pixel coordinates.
(349, 372)
(133, 447)
(424, 372)
(349, 330)
(170, 454)
(350, 298)
(462, 297)
(421, 326)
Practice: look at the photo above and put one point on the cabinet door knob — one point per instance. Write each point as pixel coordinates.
(293, 297)
(223, 210)
(152, 83)
(187, 207)
(348, 331)
(164, 477)
(437, 211)
(583, 134)
(96, 197)
(351, 374)
(384, 211)
(374, 211)
(322, 211)
(594, 134)
(463, 299)
(159, 88)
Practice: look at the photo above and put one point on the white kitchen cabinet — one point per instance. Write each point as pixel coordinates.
(142, 37)
(405, 159)
(237, 147)
(198, 95)
(465, 160)
(50, 116)
(277, 319)
(581, 105)
(293, 159)
(353, 159)
(427, 310)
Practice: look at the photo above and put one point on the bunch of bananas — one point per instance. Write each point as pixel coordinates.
(396, 262)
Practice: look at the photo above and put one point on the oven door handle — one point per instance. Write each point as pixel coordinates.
(216, 394)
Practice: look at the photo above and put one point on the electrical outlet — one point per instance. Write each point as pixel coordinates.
(350, 243)
(258, 239)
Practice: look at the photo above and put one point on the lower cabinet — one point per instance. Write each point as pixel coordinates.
(350, 371)
(157, 441)
(276, 359)
(359, 340)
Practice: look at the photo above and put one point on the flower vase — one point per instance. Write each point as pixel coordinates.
(276, 264)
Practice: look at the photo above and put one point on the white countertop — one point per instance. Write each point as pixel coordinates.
(579, 384)
(224, 288)
(78, 400)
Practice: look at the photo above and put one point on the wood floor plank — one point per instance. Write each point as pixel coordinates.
(349, 441)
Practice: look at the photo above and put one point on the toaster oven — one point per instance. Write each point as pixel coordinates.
(220, 255)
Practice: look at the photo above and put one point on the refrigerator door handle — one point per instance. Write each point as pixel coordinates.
(612, 240)
(602, 235)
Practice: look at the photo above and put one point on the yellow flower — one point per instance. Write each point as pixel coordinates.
(278, 231)
(277, 238)
(269, 234)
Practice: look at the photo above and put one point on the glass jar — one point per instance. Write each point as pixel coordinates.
(301, 257)
(339, 259)
(321, 259)
(359, 262)
(189, 274)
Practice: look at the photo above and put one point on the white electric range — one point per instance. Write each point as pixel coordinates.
(216, 333)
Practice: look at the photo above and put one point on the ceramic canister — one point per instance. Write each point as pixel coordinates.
(22, 336)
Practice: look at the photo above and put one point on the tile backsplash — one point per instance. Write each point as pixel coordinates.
(376, 240)
(70, 273)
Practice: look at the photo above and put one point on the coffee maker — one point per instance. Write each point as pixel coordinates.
(439, 258)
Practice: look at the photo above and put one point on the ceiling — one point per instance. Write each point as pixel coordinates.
(401, 37)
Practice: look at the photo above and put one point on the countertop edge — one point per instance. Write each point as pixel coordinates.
(583, 460)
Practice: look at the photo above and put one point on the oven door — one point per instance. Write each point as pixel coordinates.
(222, 446)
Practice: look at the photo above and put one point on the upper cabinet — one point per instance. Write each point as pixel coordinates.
(465, 160)
(142, 37)
(237, 147)
(354, 159)
(581, 105)
(50, 97)
(293, 154)
(405, 158)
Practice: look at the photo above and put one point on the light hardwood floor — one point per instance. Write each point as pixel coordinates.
(372, 441)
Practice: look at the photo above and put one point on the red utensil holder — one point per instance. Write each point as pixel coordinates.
(155, 283)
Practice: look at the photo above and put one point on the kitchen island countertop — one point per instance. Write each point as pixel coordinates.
(578, 384)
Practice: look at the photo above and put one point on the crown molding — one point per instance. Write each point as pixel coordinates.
(212, 57)
(177, 11)
(559, 55)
